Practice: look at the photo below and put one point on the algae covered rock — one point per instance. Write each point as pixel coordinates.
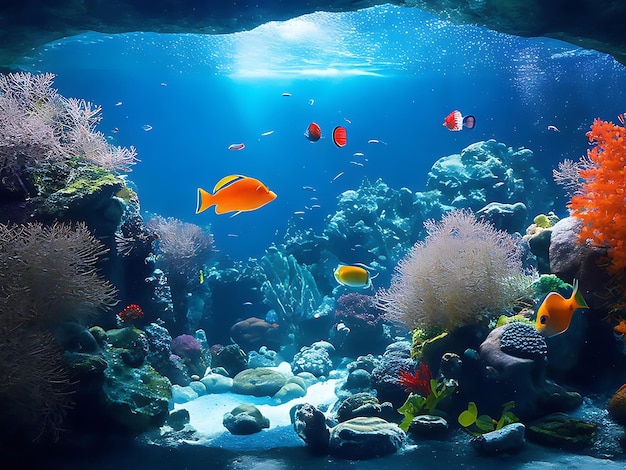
(365, 438)
(136, 398)
(245, 419)
(260, 382)
(563, 431)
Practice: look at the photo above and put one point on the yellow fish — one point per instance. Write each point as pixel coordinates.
(353, 276)
(555, 313)
(235, 193)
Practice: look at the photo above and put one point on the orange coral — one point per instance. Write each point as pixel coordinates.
(601, 199)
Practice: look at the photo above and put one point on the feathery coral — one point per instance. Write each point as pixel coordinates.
(600, 201)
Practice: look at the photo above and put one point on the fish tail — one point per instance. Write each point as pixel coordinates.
(204, 201)
(578, 296)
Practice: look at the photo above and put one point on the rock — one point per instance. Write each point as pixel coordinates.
(310, 425)
(562, 431)
(358, 379)
(198, 387)
(314, 359)
(508, 439)
(261, 382)
(254, 333)
(217, 383)
(365, 438)
(232, 358)
(178, 419)
(428, 427)
(245, 419)
(365, 405)
(504, 216)
(617, 405)
(137, 399)
(183, 394)
(288, 392)
(264, 358)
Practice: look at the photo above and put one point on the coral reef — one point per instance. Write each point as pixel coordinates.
(460, 274)
(599, 203)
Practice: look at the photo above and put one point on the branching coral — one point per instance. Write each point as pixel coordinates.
(465, 271)
(47, 275)
(600, 201)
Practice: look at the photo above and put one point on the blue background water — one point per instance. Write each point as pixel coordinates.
(385, 73)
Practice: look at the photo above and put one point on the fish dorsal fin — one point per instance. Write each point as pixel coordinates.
(225, 181)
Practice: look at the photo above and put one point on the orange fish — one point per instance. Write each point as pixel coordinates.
(555, 313)
(340, 136)
(313, 132)
(235, 193)
(455, 121)
(620, 328)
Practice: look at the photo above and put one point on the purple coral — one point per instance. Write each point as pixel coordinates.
(358, 311)
(186, 347)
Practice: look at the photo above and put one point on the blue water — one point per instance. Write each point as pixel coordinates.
(385, 73)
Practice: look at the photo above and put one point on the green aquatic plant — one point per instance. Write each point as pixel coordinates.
(547, 283)
(545, 221)
(426, 401)
(477, 424)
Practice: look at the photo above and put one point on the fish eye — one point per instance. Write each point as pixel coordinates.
(543, 320)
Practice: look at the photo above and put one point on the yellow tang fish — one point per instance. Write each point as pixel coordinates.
(235, 193)
(353, 276)
(555, 313)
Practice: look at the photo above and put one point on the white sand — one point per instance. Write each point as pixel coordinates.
(207, 412)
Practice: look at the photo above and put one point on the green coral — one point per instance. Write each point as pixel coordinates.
(547, 283)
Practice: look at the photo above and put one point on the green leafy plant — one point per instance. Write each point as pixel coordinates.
(416, 405)
(477, 424)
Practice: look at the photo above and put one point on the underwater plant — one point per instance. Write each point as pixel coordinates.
(599, 201)
(426, 393)
(476, 424)
(48, 276)
(464, 272)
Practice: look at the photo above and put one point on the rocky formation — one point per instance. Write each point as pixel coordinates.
(23, 26)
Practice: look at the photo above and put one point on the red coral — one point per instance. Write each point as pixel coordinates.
(418, 381)
(130, 313)
(600, 201)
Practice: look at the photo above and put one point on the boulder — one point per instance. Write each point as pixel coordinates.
(365, 438)
(260, 382)
(245, 419)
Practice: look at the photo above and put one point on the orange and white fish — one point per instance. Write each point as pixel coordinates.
(455, 121)
(235, 193)
(555, 313)
(355, 275)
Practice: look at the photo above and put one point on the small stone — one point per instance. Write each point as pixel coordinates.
(428, 427)
(178, 419)
(508, 439)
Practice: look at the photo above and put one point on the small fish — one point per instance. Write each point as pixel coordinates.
(146, 127)
(119, 103)
(337, 176)
(620, 328)
(313, 132)
(286, 94)
(621, 118)
(298, 213)
(553, 128)
(247, 303)
(311, 102)
(375, 141)
(347, 120)
(232, 235)
(115, 130)
(235, 193)
(163, 84)
(315, 206)
(353, 276)
(358, 154)
(201, 276)
(340, 136)
(309, 188)
(357, 163)
(236, 146)
(267, 133)
(455, 121)
(555, 313)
